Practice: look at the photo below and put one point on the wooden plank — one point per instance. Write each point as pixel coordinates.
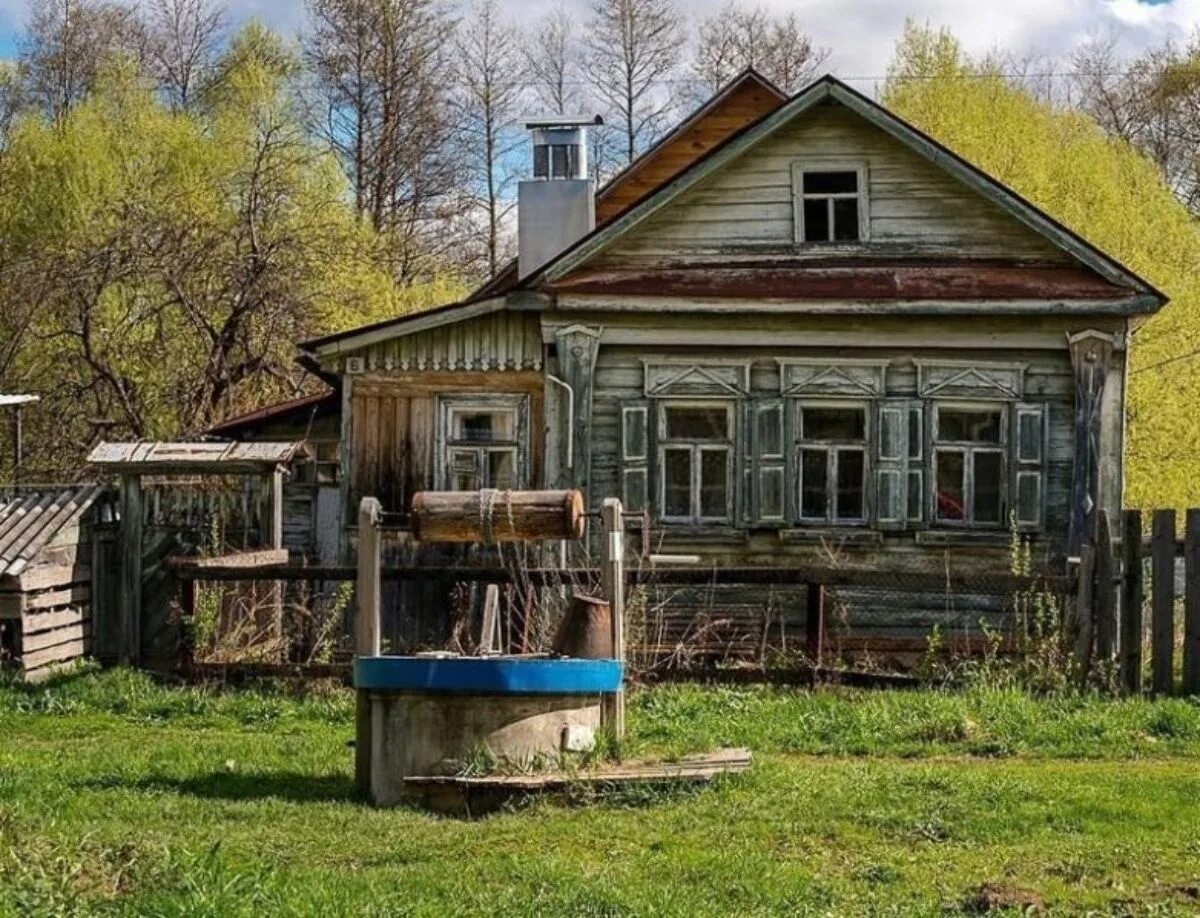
(1106, 592)
(489, 634)
(44, 577)
(1191, 604)
(613, 584)
(1085, 612)
(1162, 565)
(45, 621)
(68, 650)
(1132, 595)
(32, 643)
(131, 570)
(79, 594)
(366, 631)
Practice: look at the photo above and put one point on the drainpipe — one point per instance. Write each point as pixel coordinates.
(570, 418)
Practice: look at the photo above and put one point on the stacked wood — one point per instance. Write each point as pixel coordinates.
(48, 611)
(497, 516)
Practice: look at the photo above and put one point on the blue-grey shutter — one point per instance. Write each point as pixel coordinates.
(1028, 466)
(635, 455)
(900, 463)
(767, 462)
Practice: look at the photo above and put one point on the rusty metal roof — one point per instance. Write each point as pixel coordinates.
(217, 458)
(29, 521)
(327, 402)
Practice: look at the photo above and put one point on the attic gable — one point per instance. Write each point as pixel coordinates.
(738, 200)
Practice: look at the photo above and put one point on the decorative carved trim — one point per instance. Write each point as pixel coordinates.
(969, 379)
(723, 379)
(862, 378)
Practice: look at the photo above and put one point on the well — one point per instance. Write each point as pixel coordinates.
(430, 716)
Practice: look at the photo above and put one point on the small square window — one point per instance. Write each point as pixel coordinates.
(831, 203)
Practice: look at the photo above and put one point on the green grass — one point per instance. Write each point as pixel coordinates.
(118, 795)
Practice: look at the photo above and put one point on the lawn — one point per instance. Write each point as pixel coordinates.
(118, 795)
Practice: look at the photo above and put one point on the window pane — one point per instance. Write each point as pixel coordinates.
(770, 498)
(677, 482)
(770, 431)
(483, 426)
(814, 481)
(830, 182)
(988, 473)
(700, 423)
(1029, 436)
(714, 483)
(816, 220)
(635, 433)
(841, 424)
(502, 468)
(845, 220)
(951, 497)
(969, 426)
(850, 484)
(464, 470)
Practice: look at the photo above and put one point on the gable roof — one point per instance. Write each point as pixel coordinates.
(829, 88)
(742, 101)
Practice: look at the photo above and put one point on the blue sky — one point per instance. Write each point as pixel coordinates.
(860, 33)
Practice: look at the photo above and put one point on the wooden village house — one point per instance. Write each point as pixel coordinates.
(797, 330)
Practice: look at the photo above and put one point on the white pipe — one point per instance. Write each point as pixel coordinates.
(570, 418)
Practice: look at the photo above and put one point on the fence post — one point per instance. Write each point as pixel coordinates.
(1191, 604)
(366, 630)
(1131, 602)
(815, 623)
(1106, 595)
(130, 602)
(1162, 625)
(612, 578)
(1085, 612)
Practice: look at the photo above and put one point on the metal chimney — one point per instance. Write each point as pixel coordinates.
(557, 207)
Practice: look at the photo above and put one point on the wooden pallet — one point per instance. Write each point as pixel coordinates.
(477, 795)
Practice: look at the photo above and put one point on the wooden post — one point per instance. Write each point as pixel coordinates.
(1191, 604)
(1091, 353)
(1162, 625)
(489, 634)
(1085, 612)
(274, 533)
(1131, 602)
(131, 571)
(1106, 593)
(815, 623)
(612, 574)
(366, 630)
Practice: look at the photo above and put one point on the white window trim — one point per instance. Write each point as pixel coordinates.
(799, 167)
(831, 448)
(449, 404)
(697, 447)
(969, 449)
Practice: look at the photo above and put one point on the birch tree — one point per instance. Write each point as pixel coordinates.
(552, 62)
(183, 38)
(632, 56)
(487, 100)
(737, 37)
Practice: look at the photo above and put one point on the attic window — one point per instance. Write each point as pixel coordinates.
(830, 203)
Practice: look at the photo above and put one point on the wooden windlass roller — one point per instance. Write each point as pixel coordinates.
(492, 515)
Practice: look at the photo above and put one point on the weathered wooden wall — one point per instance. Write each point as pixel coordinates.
(392, 424)
(915, 207)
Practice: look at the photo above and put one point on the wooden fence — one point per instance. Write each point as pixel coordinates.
(1111, 602)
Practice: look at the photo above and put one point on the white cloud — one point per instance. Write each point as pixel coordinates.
(861, 33)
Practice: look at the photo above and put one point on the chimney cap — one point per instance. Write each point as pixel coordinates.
(561, 121)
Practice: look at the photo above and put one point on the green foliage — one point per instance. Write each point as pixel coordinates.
(1108, 193)
(119, 795)
(157, 266)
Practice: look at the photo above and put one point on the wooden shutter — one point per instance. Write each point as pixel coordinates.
(766, 434)
(1028, 466)
(900, 463)
(635, 455)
